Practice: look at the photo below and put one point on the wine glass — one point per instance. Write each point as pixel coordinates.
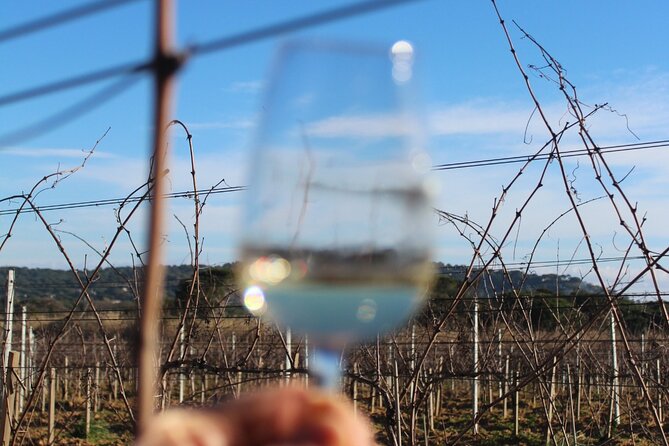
(336, 232)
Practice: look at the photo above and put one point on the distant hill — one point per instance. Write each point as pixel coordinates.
(552, 283)
(43, 285)
(48, 289)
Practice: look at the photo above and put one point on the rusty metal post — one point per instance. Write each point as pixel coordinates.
(166, 63)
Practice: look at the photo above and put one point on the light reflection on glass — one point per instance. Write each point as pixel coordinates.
(254, 300)
(402, 57)
(366, 310)
(420, 161)
(271, 269)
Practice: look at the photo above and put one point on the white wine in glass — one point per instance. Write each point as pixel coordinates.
(336, 232)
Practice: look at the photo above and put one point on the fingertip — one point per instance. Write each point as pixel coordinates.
(215, 439)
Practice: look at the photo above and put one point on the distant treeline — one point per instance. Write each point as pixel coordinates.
(545, 308)
(44, 289)
(548, 299)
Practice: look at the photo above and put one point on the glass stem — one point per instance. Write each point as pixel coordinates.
(325, 369)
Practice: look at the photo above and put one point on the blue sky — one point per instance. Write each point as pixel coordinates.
(474, 102)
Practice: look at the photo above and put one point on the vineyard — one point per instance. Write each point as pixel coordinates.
(476, 372)
(520, 344)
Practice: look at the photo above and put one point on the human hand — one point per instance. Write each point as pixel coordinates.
(289, 416)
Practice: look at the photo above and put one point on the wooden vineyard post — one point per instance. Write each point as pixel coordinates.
(644, 365)
(66, 381)
(96, 388)
(238, 376)
(115, 380)
(192, 376)
(165, 400)
(506, 386)
(289, 352)
(450, 358)
(89, 397)
(659, 391)
(430, 404)
(182, 352)
(571, 405)
(412, 353)
(475, 378)
(551, 402)
(31, 356)
(9, 403)
(579, 381)
(260, 367)
(489, 383)
(44, 392)
(9, 319)
(398, 409)
(203, 384)
(306, 365)
(500, 384)
(615, 391)
(22, 361)
(78, 384)
(440, 369)
(52, 405)
(516, 415)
